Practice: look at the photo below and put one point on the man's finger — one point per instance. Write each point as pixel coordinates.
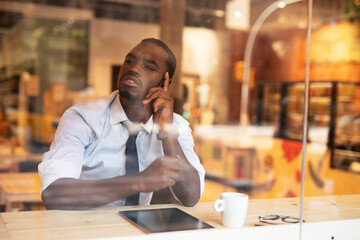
(174, 164)
(152, 95)
(159, 104)
(167, 82)
(149, 99)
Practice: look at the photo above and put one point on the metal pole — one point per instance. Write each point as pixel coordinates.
(305, 120)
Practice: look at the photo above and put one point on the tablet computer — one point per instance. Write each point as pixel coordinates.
(164, 220)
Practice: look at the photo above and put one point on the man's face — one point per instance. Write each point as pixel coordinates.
(143, 68)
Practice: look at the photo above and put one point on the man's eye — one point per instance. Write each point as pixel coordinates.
(150, 68)
(128, 61)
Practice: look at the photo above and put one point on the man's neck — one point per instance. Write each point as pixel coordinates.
(135, 110)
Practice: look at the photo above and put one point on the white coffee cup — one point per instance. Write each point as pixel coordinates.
(233, 208)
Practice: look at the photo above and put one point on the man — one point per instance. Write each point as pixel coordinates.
(85, 166)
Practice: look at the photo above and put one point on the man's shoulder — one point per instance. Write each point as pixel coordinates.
(93, 111)
(179, 120)
(182, 124)
(95, 104)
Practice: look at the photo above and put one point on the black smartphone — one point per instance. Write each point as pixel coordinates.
(161, 84)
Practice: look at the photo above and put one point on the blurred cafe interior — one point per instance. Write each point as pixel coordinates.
(240, 82)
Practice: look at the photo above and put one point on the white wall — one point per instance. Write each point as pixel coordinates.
(110, 41)
(207, 54)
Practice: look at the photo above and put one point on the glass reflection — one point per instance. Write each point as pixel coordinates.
(49, 63)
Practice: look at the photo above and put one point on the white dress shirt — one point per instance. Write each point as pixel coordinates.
(90, 144)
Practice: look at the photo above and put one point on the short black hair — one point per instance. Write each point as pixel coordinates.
(171, 61)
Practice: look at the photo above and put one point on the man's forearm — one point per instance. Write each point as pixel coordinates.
(187, 187)
(69, 193)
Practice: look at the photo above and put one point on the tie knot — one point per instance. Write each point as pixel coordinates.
(133, 129)
(131, 139)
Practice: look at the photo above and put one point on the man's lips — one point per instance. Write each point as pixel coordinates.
(130, 81)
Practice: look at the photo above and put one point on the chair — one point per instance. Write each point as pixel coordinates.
(7, 155)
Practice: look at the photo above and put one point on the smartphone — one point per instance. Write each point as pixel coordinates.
(161, 84)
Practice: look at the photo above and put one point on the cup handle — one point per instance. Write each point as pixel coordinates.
(219, 205)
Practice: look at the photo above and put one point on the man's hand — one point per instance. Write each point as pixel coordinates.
(162, 102)
(162, 173)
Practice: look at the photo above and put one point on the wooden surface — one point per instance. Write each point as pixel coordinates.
(19, 188)
(103, 223)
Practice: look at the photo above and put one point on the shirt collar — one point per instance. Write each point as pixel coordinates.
(149, 125)
(118, 115)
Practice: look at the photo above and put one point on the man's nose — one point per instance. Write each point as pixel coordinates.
(134, 69)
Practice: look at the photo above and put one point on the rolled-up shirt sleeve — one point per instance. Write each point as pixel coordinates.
(65, 157)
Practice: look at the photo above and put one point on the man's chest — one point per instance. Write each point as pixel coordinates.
(106, 153)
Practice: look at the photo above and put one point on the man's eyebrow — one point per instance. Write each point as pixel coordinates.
(151, 62)
(131, 55)
(147, 60)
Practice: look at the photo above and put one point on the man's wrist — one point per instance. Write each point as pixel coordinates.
(167, 131)
(168, 135)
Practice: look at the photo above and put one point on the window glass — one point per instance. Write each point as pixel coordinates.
(239, 82)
